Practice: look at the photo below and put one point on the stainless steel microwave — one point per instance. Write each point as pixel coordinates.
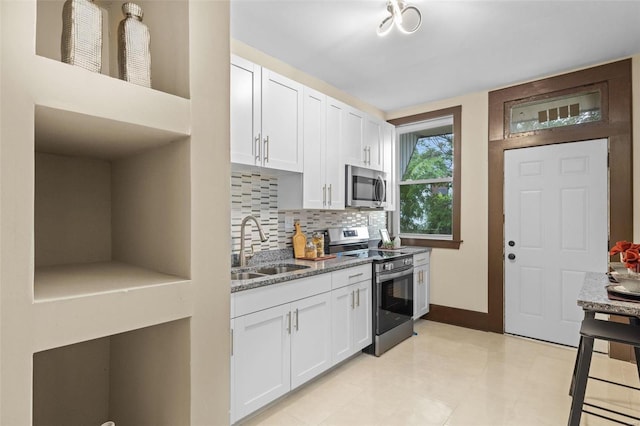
(365, 187)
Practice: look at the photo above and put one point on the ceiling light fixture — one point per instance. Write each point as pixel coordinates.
(406, 18)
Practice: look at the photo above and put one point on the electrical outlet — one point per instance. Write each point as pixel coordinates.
(288, 222)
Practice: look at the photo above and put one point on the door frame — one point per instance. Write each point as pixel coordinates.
(616, 125)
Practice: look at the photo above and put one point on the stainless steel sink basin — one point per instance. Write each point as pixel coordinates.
(244, 275)
(280, 269)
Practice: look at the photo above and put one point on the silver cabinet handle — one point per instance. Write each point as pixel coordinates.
(257, 148)
(330, 195)
(266, 149)
(295, 322)
(353, 297)
(232, 342)
(369, 155)
(356, 275)
(358, 298)
(289, 322)
(324, 195)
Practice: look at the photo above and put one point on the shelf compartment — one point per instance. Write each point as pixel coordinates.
(133, 378)
(60, 131)
(168, 23)
(88, 279)
(104, 225)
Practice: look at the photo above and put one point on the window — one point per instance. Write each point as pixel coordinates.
(428, 147)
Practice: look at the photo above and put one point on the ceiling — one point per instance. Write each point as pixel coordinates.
(461, 47)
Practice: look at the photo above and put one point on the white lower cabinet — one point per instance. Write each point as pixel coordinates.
(289, 333)
(351, 319)
(262, 358)
(278, 349)
(420, 285)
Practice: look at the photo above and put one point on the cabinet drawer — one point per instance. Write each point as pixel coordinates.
(420, 259)
(248, 301)
(349, 276)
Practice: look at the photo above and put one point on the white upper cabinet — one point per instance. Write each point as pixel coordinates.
(245, 111)
(353, 135)
(314, 135)
(389, 163)
(334, 165)
(362, 139)
(372, 144)
(266, 117)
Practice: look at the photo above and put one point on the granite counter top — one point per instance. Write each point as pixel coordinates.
(314, 268)
(593, 297)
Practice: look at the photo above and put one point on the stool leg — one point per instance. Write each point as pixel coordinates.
(580, 384)
(575, 368)
(636, 350)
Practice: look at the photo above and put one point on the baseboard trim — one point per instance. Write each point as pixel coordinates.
(460, 317)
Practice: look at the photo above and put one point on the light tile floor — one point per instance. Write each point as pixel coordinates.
(449, 375)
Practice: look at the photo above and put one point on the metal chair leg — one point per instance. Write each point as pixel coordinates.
(575, 368)
(580, 382)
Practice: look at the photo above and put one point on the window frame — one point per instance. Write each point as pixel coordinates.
(428, 241)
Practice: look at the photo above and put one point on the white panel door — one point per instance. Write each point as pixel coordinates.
(556, 229)
(334, 166)
(353, 136)
(245, 111)
(362, 320)
(262, 359)
(373, 143)
(342, 306)
(282, 143)
(311, 338)
(314, 134)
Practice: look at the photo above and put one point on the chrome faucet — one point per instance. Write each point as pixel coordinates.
(263, 238)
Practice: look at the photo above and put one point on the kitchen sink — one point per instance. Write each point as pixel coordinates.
(244, 275)
(280, 269)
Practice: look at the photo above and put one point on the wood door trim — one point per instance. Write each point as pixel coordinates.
(617, 128)
(460, 317)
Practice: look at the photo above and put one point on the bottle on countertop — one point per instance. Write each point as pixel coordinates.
(310, 251)
(299, 242)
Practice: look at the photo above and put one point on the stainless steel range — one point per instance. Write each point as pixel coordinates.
(392, 286)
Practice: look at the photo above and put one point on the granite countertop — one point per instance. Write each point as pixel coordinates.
(314, 268)
(593, 297)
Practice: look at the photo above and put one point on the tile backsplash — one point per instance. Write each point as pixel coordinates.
(257, 194)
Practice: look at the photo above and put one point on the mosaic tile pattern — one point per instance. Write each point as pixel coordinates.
(256, 194)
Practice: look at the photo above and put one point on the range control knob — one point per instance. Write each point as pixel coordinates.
(387, 266)
(407, 261)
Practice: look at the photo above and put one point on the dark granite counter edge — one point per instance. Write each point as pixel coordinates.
(593, 297)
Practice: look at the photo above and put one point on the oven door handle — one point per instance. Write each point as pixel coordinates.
(393, 275)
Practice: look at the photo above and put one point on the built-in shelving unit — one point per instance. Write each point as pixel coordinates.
(110, 283)
(99, 380)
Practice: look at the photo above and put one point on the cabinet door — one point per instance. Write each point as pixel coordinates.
(334, 166)
(342, 313)
(232, 381)
(261, 343)
(352, 137)
(362, 321)
(388, 163)
(314, 188)
(245, 112)
(372, 144)
(311, 338)
(282, 142)
(421, 291)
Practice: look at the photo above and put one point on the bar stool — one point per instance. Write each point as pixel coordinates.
(605, 330)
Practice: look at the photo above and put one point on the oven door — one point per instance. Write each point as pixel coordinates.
(394, 296)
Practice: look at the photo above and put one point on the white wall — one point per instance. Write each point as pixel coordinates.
(459, 277)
